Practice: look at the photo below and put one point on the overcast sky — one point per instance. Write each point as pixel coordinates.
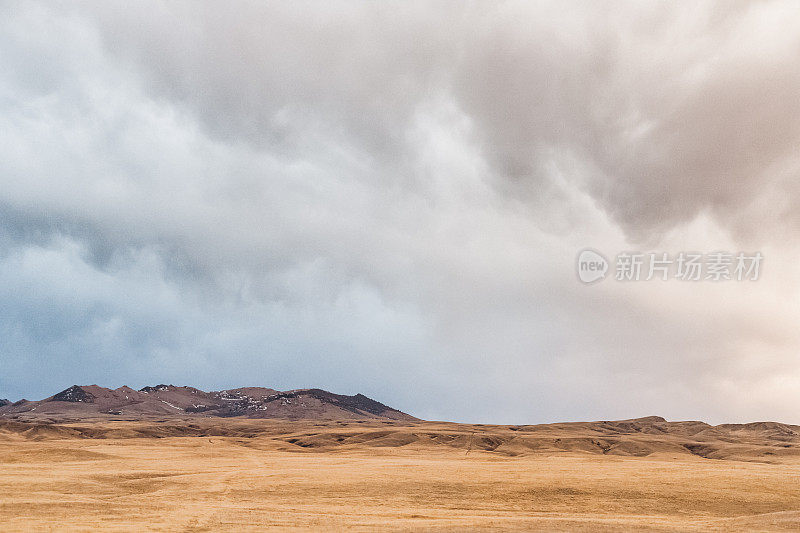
(388, 198)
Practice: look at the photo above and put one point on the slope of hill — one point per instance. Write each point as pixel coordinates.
(91, 401)
(348, 425)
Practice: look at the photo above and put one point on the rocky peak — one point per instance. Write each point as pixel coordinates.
(157, 388)
(73, 394)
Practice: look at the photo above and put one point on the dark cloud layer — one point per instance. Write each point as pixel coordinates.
(388, 198)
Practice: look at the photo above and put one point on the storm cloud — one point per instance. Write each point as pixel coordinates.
(388, 198)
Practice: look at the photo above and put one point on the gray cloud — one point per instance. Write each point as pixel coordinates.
(388, 199)
(657, 114)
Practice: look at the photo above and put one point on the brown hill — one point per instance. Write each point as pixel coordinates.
(765, 442)
(160, 401)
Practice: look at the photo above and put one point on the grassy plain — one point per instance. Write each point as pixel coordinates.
(364, 477)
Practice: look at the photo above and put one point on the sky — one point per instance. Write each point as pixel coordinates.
(389, 198)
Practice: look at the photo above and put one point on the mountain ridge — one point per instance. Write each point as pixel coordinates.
(87, 401)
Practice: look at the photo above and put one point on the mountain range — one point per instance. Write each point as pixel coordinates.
(92, 401)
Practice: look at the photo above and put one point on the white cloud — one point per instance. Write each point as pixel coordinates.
(389, 200)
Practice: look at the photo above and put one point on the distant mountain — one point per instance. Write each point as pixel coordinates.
(91, 401)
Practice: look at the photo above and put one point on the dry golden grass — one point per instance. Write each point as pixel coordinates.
(257, 482)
